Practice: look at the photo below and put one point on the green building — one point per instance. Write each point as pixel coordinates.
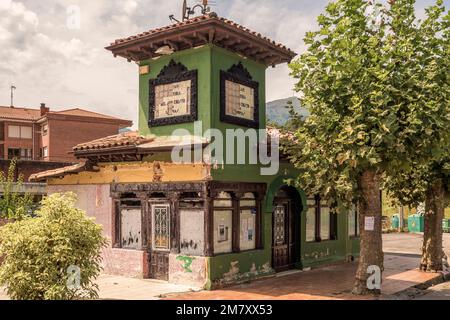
(199, 195)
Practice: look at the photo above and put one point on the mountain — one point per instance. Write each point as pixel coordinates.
(277, 111)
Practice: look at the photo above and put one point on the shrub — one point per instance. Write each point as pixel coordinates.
(40, 253)
(13, 204)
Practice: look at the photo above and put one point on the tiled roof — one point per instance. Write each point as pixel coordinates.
(208, 28)
(84, 113)
(79, 167)
(35, 114)
(131, 139)
(19, 113)
(205, 17)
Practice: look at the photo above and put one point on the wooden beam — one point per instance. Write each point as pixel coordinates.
(243, 46)
(263, 55)
(172, 44)
(211, 34)
(186, 40)
(231, 42)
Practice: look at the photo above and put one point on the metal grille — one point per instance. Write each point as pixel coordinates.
(280, 225)
(161, 227)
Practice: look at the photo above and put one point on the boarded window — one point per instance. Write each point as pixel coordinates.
(192, 232)
(248, 222)
(222, 231)
(311, 224)
(353, 225)
(131, 228)
(161, 227)
(248, 229)
(325, 222)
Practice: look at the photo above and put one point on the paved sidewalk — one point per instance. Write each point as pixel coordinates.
(122, 288)
(329, 283)
(402, 257)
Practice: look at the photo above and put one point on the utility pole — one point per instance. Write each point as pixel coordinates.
(12, 95)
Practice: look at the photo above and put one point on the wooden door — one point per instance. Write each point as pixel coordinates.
(285, 236)
(160, 235)
(280, 251)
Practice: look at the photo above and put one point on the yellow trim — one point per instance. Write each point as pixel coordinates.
(137, 172)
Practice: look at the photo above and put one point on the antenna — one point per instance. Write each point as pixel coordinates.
(188, 11)
(12, 95)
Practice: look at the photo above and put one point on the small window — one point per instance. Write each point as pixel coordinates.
(224, 199)
(14, 131)
(26, 133)
(311, 223)
(248, 200)
(13, 153)
(45, 152)
(161, 226)
(324, 221)
(44, 129)
(321, 222)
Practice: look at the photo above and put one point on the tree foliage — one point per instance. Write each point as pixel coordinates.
(13, 204)
(410, 185)
(39, 252)
(371, 90)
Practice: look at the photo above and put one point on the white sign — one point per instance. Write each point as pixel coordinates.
(369, 223)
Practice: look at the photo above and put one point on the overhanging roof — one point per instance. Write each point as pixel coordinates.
(205, 29)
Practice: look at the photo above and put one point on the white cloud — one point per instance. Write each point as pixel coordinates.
(48, 62)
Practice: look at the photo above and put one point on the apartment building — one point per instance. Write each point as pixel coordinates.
(44, 135)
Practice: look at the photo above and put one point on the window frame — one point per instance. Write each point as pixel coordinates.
(236, 209)
(357, 231)
(44, 129)
(333, 225)
(9, 131)
(169, 222)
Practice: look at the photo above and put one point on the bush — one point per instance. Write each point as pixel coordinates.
(13, 204)
(40, 253)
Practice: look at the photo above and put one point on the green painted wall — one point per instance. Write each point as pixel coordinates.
(252, 264)
(194, 59)
(224, 268)
(208, 60)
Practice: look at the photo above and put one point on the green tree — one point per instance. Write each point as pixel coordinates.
(13, 204)
(427, 179)
(358, 79)
(41, 253)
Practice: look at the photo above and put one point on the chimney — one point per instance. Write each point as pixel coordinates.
(44, 109)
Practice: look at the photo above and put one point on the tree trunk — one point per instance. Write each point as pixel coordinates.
(371, 251)
(432, 251)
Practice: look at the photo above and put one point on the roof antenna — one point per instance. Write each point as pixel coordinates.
(12, 95)
(188, 11)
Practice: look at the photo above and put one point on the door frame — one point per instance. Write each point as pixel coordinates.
(292, 200)
(159, 257)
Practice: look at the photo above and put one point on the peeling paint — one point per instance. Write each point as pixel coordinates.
(235, 276)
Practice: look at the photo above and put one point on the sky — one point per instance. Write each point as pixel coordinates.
(51, 56)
